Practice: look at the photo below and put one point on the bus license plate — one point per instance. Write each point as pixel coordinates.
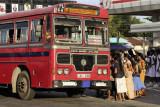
(83, 76)
(69, 83)
(100, 84)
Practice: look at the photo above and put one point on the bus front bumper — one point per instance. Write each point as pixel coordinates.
(81, 84)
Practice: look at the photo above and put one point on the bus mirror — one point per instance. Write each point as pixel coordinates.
(38, 31)
(38, 34)
(38, 28)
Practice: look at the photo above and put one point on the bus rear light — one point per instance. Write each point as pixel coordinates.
(104, 71)
(53, 71)
(59, 71)
(99, 71)
(66, 71)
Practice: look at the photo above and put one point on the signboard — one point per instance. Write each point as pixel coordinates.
(39, 6)
(2, 8)
(27, 7)
(94, 39)
(81, 11)
(14, 7)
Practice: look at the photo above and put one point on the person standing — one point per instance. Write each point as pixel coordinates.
(142, 73)
(157, 68)
(152, 69)
(138, 84)
(120, 81)
(148, 63)
(129, 81)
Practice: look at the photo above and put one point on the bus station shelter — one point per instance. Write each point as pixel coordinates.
(147, 28)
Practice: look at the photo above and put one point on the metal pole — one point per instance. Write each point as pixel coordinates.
(143, 43)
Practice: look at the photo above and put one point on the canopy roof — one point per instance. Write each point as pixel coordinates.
(121, 40)
(145, 28)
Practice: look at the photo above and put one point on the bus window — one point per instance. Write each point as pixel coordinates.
(68, 30)
(22, 32)
(36, 22)
(6, 33)
(11, 36)
(95, 32)
(48, 30)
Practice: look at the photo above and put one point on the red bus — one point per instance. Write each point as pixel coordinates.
(62, 48)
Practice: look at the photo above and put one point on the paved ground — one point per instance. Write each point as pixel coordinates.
(54, 99)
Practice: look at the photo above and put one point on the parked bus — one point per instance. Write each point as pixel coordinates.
(63, 48)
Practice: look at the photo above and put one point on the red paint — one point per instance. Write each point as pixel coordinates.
(43, 65)
(123, 1)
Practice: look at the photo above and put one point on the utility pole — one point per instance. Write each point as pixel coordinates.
(118, 36)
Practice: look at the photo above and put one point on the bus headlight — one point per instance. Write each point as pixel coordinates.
(104, 71)
(60, 71)
(99, 71)
(66, 71)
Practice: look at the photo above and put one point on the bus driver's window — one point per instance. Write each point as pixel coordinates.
(36, 22)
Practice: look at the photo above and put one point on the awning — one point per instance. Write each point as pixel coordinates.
(121, 47)
(121, 40)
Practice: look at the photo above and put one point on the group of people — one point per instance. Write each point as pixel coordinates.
(153, 67)
(127, 76)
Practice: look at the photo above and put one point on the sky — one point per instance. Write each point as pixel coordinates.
(96, 2)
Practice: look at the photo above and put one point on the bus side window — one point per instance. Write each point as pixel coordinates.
(22, 32)
(6, 33)
(4, 36)
(36, 22)
(48, 30)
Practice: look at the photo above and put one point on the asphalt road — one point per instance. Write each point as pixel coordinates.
(56, 99)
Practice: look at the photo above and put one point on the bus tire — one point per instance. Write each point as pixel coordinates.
(23, 86)
(75, 93)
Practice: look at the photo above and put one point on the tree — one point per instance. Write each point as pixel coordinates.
(122, 24)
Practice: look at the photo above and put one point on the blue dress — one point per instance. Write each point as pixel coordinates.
(138, 84)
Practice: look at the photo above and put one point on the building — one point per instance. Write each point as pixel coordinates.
(7, 6)
(137, 44)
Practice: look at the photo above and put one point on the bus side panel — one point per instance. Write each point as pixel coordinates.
(6, 65)
(39, 67)
(21, 55)
(39, 74)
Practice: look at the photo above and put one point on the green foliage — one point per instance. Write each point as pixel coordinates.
(122, 24)
(148, 18)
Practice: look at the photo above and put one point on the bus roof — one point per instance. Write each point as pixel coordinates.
(47, 10)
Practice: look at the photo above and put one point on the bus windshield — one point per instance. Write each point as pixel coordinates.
(68, 30)
(96, 32)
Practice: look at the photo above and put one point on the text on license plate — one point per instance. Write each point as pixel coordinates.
(69, 83)
(83, 76)
(100, 84)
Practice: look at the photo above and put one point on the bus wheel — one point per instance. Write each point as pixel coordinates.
(23, 86)
(75, 93)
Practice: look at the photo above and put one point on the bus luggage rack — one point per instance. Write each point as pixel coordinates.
(84, 62)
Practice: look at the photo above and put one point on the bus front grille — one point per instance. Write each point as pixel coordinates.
(83, 62)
